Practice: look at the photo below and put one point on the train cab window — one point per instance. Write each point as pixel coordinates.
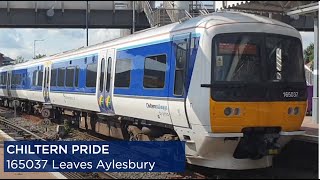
(76, 78)
(91, 76)
(70, 76)
(61, 76)
(283, 58)
(40, 77)
(34, 77)
(181, 59)
(123, 73)
(154, 71)
(53, 80)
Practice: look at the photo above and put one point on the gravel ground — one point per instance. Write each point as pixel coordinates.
(145, 175)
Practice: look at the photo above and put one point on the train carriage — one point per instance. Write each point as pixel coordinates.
(229, 84)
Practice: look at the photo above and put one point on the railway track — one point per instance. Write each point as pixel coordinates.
(19, 133)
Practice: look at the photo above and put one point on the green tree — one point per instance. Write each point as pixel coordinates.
(19, 59)
(39, 56)
(309, 53)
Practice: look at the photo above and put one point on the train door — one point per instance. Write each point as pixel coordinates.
(105, 81)
(179, 64)
(9, 76)
(46, 84)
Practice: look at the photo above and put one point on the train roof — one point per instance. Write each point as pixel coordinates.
(205, 21)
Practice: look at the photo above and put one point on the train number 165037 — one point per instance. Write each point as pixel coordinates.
(290, 94)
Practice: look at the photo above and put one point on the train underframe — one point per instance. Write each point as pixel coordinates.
(119, 127)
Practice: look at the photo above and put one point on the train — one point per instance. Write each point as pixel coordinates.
(231, 85)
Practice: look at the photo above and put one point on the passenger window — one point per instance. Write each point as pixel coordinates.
(123, 73)
(102, 74)
(154, 71)
(109, 74)
(19, 79)
(69, 76)
(40, 77)
(45, 76)
(5, 78)
(91, 76)
(13, 79)
(181, 59)
(16, 80)
(53, 80)
(34, 78)
(61, 77)
(76, 79)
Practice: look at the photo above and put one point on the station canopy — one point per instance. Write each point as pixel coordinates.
(271, 6)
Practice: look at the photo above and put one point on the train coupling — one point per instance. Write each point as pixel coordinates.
(258, 142)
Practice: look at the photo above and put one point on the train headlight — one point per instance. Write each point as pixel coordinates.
(296, 110)
(237, 111)
(228, 111)
(290, 110)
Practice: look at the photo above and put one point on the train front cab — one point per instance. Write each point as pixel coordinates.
(257, 95)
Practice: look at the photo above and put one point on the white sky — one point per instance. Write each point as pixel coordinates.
(19, 42)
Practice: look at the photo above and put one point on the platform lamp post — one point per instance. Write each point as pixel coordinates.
(34, 47)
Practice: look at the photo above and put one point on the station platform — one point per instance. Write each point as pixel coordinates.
(22, 175)
(312, 130)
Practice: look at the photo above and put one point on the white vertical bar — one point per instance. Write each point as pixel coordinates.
(315, 98)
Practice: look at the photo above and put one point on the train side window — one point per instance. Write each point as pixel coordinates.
(109, 74)
(123, 73)
(16, 79)
(53, 80)
(70, 76)
(76, 78)
(61, 76)
(19, 79)
(154, 71)
(40, 77)
(181, 59)
(102, 74)
(34, 77)
(13, 79)
(5, 78)
(91, 76)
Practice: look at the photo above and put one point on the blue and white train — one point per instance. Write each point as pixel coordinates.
(229, 84)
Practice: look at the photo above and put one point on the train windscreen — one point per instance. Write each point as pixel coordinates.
(256, 60)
